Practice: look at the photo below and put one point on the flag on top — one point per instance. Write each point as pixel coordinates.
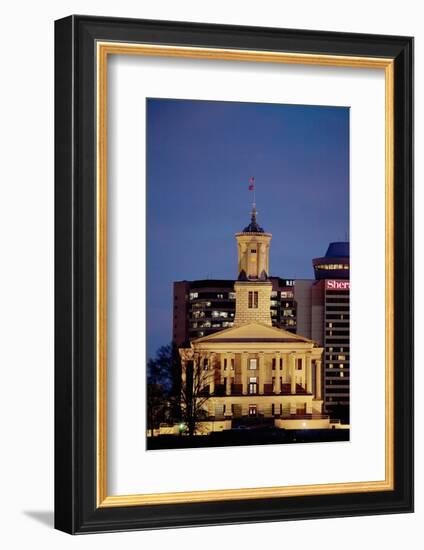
(251, 184)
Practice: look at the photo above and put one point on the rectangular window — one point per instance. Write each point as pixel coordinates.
(253, 385)
(273, 409)
(281, 363)
(273, 363)
(225, 364)
(252, 410)
(299, 364)
(253, 299)
(253, 364)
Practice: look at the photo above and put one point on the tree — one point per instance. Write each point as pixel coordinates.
(157, 406)
(163, 387)
(196, 376)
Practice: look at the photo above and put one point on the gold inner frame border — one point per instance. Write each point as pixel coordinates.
(103, 50)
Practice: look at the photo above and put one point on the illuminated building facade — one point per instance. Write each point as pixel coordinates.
(253, 368)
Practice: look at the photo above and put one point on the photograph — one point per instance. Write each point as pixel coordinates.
(247, 274)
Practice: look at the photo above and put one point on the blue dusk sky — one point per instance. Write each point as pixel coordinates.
(200, 155)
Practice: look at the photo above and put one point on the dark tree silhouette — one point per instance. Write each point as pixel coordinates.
(196, 377)
(163, 387)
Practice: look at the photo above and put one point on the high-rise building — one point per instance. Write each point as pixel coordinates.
(330, 326)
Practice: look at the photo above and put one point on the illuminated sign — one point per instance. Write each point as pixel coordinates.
(331, 284)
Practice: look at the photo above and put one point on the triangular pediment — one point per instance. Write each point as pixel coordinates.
(253, 332)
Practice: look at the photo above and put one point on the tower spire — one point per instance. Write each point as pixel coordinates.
(253, 227)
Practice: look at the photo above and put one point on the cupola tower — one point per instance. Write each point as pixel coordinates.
(253, 288)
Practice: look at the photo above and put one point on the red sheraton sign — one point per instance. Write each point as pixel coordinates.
(337, 285)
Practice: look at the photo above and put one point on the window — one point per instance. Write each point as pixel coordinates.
(273, 363)
(281, 363)
(220, 296)
(205, 364)
(299, 364)
(253, 299)
(253, 251)
(273, 409)
(232, 364)
(253, 364)
(225, 364)
(253, 410)
(194, 295)
(253, 385)
(232, 295)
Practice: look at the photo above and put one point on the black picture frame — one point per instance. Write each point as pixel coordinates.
(76, 509)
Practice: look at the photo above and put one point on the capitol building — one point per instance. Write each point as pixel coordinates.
(254, 370)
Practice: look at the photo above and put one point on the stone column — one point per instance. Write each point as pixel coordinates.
(244, 372)
(261, 373)
(227, 373)
(318, 378)
(278, 373)
(260, 258)
(228, 384)
(293, 373)
(286, 368)
(308, 373)
(212, 374)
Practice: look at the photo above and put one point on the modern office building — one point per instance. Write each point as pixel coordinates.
(250, 368)
(203, 307)
(330, 326)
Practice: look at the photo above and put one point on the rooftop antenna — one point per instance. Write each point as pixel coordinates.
(252, 188)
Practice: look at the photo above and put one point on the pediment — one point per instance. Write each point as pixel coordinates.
(253, 332)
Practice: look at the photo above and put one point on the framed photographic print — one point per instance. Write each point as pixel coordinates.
(233, 274)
